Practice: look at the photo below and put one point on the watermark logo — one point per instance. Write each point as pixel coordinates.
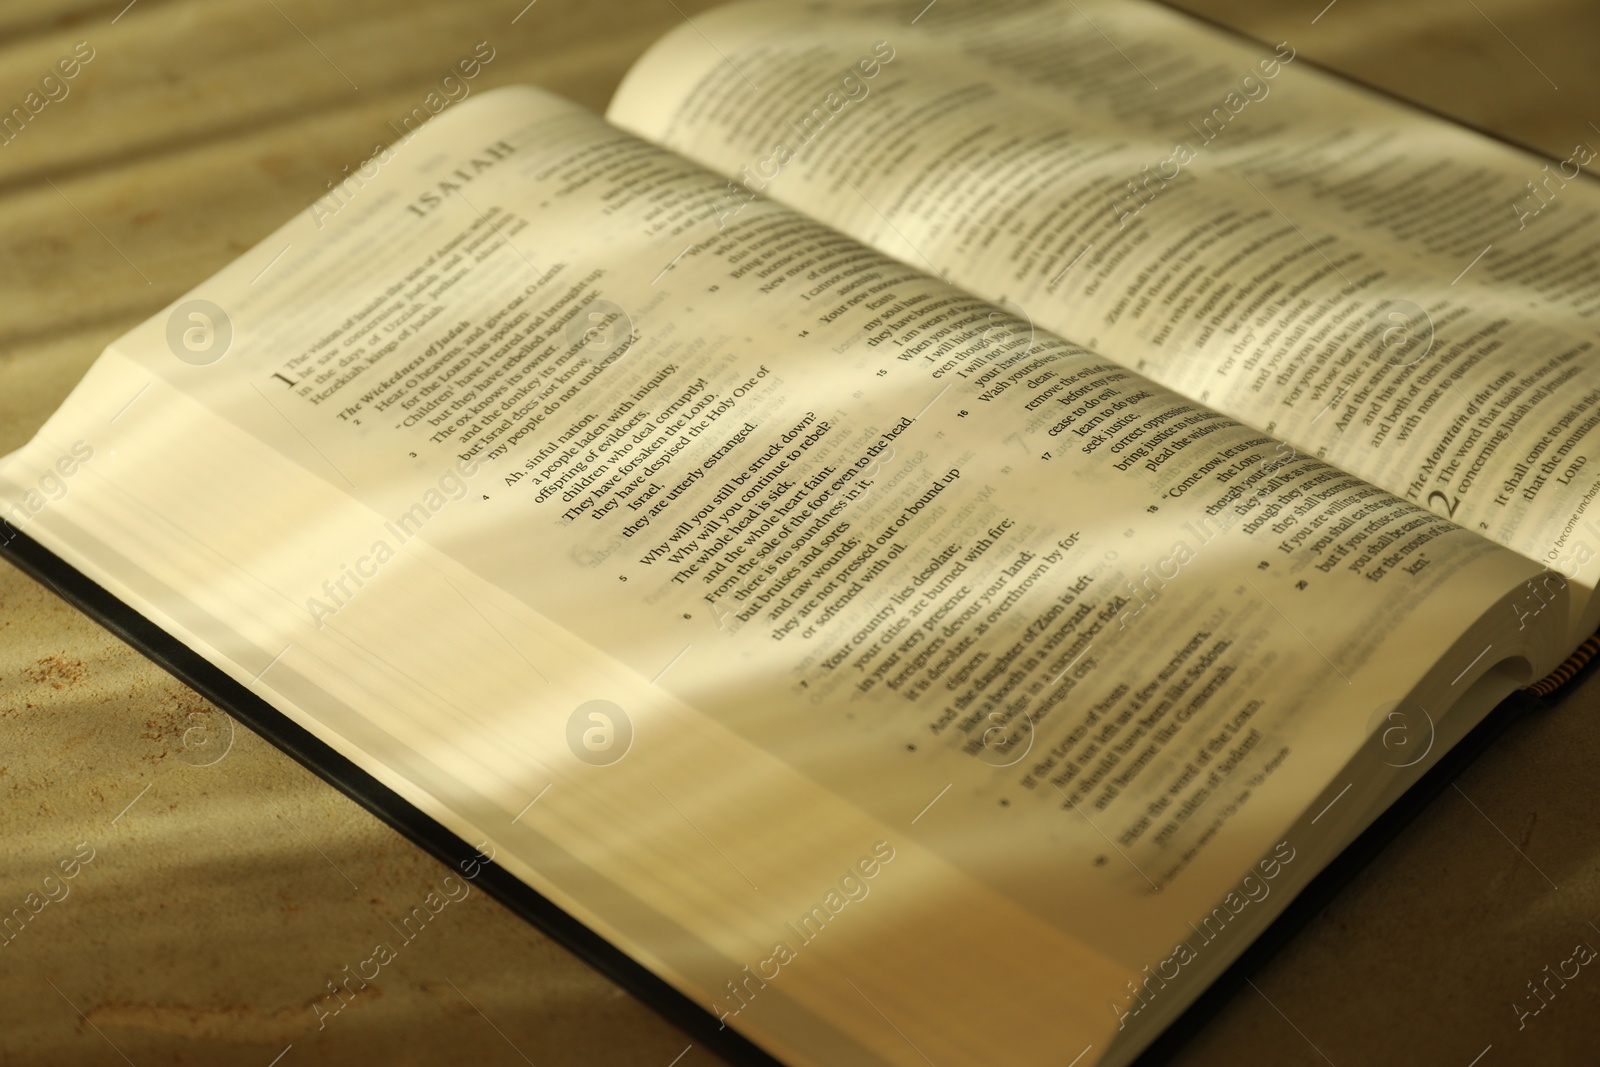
(451, 89)
(603, 334)
(853, 887)
(1404, 332)
(199, 332)
(52, 890)
(1543, 987)
(1008, 331)
(1405, 732)
(599, 732)
(51, 488)
(1008, 736)
(1542, 195)
(207, 739)
(54, 87)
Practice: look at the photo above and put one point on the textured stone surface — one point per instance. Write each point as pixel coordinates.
(219, 903)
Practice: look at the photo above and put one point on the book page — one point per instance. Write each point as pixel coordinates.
(1410, 300)
(868, 700)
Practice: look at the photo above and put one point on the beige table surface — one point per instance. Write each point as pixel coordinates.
(219, 903)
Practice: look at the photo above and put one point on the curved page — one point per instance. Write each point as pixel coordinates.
(1408, 299)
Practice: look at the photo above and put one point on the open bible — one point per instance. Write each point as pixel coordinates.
(925, 534)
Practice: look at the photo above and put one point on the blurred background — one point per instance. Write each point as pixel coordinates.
(227, 885)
